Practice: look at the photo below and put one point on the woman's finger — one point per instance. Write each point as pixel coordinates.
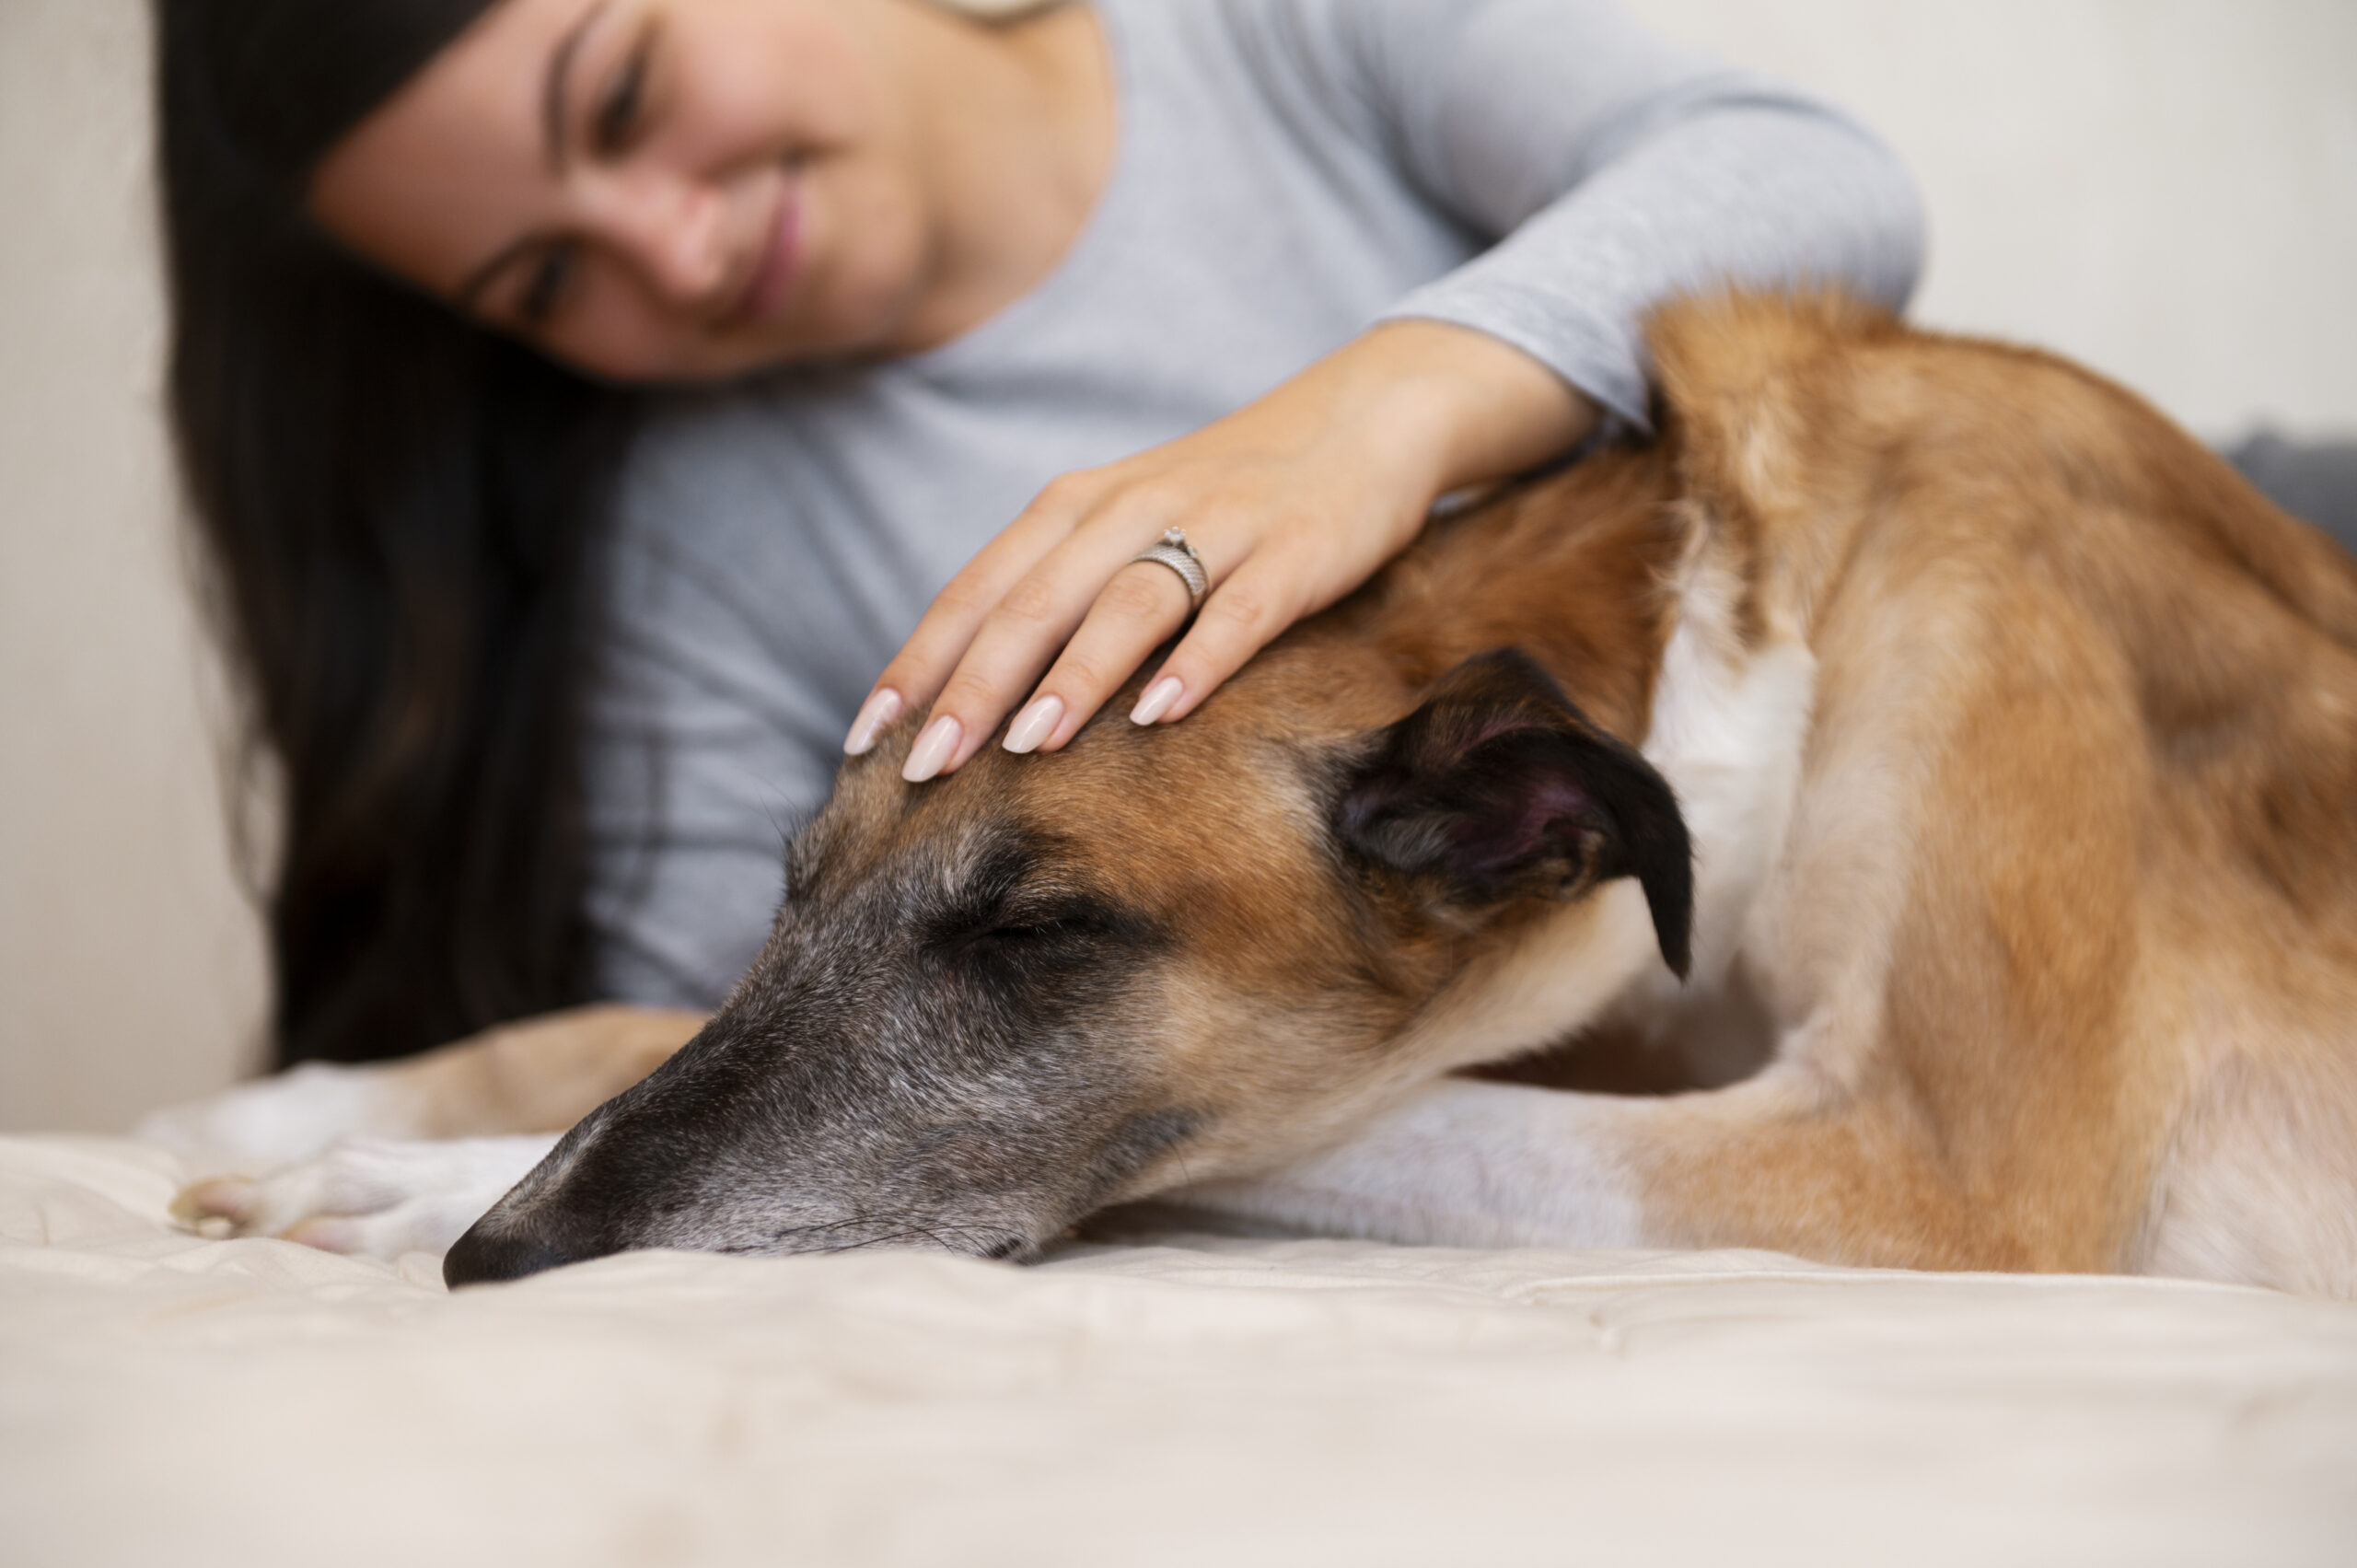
(925, 662)
(1139, 609)
(1020, 637)
(1243, 615)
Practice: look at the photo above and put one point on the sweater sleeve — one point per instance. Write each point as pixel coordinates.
(1614, 172)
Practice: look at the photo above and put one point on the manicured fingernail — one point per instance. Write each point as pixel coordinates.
(880, 710)
(933, 750)
(1034, 724)
(1159, 699)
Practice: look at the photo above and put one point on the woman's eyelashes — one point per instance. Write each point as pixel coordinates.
(615, 126)
(547, 284)
(621, 109)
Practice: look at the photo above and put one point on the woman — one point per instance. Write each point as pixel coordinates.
(974, 312)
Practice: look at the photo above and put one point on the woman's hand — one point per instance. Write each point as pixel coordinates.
(1290, 502)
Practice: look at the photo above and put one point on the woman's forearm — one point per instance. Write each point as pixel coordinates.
(1615, 170)
(1437, 405)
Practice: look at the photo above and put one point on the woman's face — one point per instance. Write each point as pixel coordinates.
(651, 190)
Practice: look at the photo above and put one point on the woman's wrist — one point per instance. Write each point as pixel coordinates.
(1435, 407)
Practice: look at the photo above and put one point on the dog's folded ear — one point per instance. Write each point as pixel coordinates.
(1499, 788)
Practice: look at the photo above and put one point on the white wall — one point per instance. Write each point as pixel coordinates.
(2165, 188)
(130, 969)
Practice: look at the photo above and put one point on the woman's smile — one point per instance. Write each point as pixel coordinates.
(684, 189)
(770, 278)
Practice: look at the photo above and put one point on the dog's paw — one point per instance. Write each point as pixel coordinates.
(374, 1197)
(276, 1121)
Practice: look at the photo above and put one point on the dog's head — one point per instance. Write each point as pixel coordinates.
(997, 1001)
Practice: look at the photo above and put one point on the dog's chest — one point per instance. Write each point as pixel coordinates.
(1730, 727)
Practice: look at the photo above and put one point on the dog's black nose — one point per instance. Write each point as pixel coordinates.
(485, 1254)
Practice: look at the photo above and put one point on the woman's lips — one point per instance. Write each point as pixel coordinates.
(774, 272)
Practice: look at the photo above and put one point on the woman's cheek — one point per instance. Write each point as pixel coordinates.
(865, 258)
(620, 338)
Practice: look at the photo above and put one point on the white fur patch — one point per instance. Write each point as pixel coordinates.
(276, 1121)
(2256, 1189)
(1728, 733)
(378, 1197)
(1461, 1165)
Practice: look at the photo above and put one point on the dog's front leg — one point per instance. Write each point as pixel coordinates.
(1464, 1164)
(401, 1156)
(1780, 1162)
(377, 1197)
(539, 1074)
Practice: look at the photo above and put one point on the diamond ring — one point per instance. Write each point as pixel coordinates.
(1174, 552)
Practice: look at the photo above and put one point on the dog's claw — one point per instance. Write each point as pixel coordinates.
(225, 1198)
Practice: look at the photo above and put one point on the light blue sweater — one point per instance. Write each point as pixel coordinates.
(1289, 172)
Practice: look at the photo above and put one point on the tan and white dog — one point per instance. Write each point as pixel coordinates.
(1927, 772)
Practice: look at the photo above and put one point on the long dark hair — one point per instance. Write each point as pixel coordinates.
(398, 507)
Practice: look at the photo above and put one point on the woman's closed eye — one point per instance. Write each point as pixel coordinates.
(547, 283)
(617, 123)
(621, 109)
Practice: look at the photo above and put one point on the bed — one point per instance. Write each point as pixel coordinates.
(1155, 1394)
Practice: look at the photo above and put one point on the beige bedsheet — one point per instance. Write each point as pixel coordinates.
(1177, 1398)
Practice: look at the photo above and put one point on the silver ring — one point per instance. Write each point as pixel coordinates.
(1174, 552)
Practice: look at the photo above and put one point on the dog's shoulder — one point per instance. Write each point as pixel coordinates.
(1799, 419)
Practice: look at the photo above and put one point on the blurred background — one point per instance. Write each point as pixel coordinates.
(2164, 188)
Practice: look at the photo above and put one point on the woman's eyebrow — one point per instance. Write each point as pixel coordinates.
(555, 88)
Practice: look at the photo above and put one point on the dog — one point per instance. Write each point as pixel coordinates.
(1925, 772)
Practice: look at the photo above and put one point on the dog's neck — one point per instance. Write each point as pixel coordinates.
(1577, 571)
(1622, 592)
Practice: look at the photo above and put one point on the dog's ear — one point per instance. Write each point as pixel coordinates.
(1499, 788)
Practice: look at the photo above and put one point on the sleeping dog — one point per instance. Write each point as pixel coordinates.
(1935, 767)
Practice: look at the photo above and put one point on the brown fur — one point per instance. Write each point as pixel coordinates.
(2056, 958)
(2126, 689)
(541, 1074)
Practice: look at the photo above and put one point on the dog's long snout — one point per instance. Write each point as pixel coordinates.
(485, 1254)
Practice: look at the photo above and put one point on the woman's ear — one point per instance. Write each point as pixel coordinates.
(1498, 788)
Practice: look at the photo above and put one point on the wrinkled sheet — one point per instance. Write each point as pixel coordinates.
(1166, 1397)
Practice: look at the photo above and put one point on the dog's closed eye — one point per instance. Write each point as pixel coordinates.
(1031, 933)
(1007, 920)
(1069, 926)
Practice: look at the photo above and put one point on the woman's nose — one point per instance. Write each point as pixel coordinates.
(672, 230)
